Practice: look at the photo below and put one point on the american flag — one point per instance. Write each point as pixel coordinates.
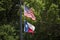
(28, 12)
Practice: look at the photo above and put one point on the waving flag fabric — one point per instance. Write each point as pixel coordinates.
(28, 27)
(31, 26)
(25, 26)
(28, 12)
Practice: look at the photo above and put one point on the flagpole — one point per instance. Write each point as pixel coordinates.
(21, 34)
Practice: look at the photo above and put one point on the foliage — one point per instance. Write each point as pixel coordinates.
(8, 32)
(47, 22)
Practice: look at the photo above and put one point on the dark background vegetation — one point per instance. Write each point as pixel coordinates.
(47, 22)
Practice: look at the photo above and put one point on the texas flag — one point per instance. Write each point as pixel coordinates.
(28, 12)
(28, 27)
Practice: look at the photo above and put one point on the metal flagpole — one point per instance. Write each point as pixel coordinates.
(21, 34)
